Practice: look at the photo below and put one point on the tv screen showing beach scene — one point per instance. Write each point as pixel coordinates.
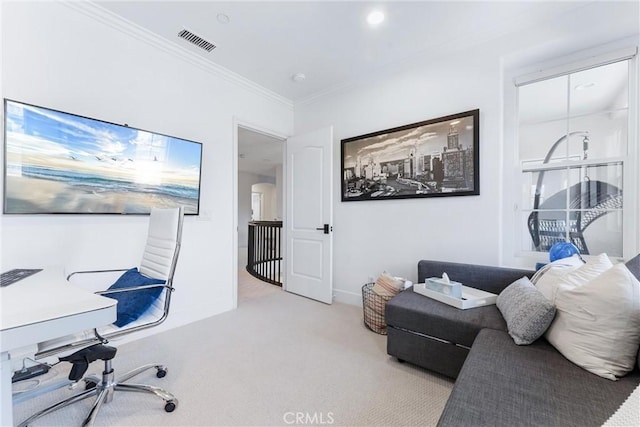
(61, 163)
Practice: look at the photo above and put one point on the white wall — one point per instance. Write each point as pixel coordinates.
(268, 191)
(372, 236)
(56, 56)
(245, 181)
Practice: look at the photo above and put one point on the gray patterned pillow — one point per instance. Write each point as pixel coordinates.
(527, 312)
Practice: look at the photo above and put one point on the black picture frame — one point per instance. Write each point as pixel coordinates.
(432, 158)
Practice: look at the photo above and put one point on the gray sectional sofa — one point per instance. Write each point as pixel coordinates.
(498, 383)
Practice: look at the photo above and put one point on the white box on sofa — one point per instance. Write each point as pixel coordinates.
(471, 297)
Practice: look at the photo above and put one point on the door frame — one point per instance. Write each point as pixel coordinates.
(237, 122)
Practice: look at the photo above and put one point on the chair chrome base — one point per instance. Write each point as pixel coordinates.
(105, 389)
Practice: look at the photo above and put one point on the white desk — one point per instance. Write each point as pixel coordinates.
(42, 307)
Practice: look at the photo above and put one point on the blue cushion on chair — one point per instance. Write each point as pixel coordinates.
(132, 304)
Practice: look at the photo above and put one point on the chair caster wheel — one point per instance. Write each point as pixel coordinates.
(161, 373)
(89, 384)
(169, 406)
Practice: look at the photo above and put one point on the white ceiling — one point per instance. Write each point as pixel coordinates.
(267, 42)
(329, 41)
(258, 153)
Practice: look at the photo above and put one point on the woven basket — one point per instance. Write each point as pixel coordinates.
(373, 306)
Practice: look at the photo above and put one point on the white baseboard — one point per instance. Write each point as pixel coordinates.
(347, 297)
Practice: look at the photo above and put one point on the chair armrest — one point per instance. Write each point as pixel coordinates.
(133, 288)
(95, 280)
(73, 273)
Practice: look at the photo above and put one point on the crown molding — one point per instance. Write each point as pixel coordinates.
(322, 94)
(99, 13)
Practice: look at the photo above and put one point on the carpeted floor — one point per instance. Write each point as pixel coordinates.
(279, 359)
(251, 288)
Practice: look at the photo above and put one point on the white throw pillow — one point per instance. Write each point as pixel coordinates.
(571, 272)
(597, 325)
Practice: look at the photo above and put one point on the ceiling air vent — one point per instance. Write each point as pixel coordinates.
(196, 40)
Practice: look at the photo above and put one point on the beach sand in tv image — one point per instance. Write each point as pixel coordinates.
(61, 163)
(47, 196)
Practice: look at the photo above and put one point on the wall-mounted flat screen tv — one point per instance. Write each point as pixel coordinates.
(61, 163)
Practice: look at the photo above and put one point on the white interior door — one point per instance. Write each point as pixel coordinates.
(309, 215)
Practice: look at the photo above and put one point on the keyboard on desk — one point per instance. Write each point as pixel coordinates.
(12, 276)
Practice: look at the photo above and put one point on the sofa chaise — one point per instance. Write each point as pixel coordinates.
(498, 383)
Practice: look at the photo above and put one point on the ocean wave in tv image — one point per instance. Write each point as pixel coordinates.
(74, 178)
(47, 190)
(103, 184)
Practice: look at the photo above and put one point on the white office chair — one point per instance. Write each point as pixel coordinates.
(158, 262)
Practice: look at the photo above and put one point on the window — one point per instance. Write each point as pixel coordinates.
(574, 151)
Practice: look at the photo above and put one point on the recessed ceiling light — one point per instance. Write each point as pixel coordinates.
(222, 18)
(374, 18)
(298, 77)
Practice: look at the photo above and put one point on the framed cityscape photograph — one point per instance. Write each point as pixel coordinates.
(433, 158)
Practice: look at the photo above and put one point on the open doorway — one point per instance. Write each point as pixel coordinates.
(260, 212)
